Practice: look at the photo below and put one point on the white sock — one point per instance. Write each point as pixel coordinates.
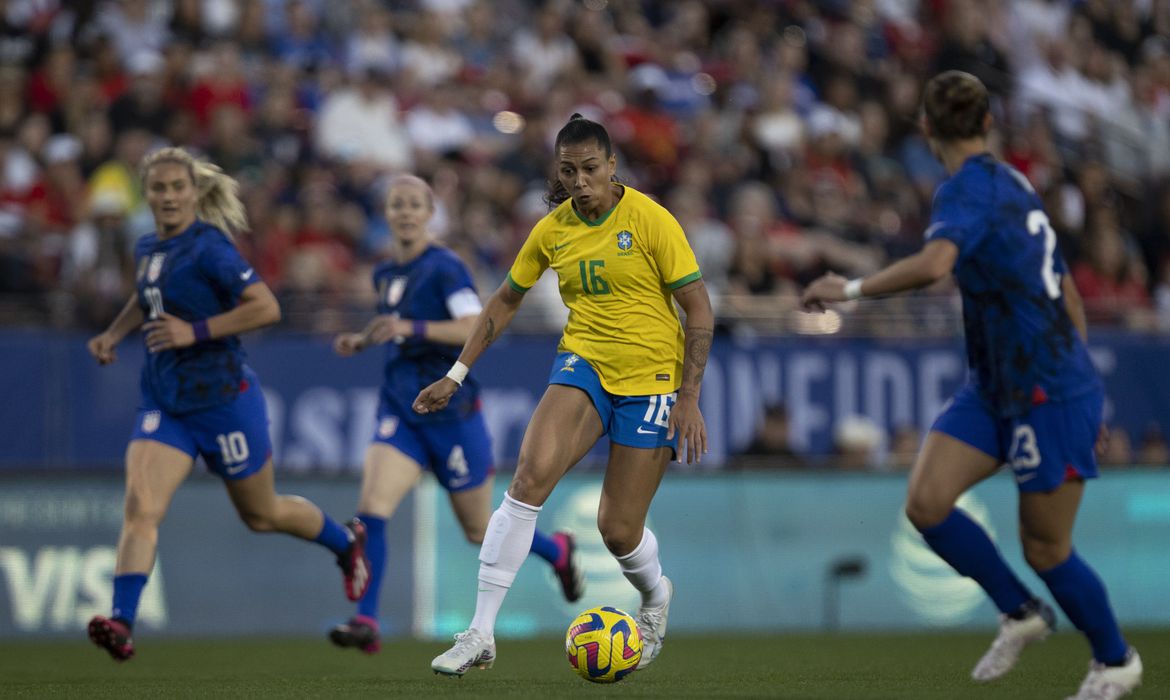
(505, 547)
(642, 568)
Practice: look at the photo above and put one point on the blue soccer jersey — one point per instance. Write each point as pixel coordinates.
(1022, 346)
(194, 275)
(435, 286)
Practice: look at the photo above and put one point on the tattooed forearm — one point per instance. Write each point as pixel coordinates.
(497, 313)
(700, 327)
(698, 347)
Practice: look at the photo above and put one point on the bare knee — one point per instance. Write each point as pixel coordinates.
(1043, 554)
(925, 509)
(621, 536)
(474, 534)
(141, 513)
(258, 522)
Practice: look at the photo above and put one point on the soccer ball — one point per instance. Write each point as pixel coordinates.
(603, 645)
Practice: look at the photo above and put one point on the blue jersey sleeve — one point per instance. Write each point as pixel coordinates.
(221, 263)
(955, 217)
(454, 277)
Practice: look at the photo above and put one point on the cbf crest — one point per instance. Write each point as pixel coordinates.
(625, 240)
(567, 365)
(154, 268)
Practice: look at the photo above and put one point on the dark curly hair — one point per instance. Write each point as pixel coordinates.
(577, 130)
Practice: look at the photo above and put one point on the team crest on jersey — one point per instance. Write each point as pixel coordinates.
(151, 421)
(154, 269)
(388, 427)
(625, 240)
(569, 362)
(395, 290)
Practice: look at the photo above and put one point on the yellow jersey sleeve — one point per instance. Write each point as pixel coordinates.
(532, 260)
(670, 249)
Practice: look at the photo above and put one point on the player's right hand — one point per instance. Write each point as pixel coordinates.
(435, 397)
(103, 347)
(346, 344)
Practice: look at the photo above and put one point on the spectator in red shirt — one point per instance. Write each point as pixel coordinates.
(1110, 278)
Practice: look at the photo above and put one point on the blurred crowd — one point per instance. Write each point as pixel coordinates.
(782, 134)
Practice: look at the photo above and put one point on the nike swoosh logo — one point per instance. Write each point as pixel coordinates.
(232, 471)
(1021, 478)
(646, 432)
(558, 247)
(246, 274)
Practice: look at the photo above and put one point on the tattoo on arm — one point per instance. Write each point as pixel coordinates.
(490, 334)
(698, 347)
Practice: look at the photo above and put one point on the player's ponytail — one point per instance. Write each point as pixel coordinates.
(577, 130)
(218, 193)
(956, 106)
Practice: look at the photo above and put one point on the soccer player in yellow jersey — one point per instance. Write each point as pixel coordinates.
(625, 368)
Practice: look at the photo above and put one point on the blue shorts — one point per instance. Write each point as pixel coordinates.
(233, 438)
(1050, 444)
(633, 421)
(459, 452)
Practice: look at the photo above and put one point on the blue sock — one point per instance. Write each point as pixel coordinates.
(333, 536)
(376, 554)
(963, 544)
(127, 591)
(546, 547)
(1082, 596)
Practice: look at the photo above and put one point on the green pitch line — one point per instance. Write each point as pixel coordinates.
(865, 666)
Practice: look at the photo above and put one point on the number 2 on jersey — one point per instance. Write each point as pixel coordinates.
(1037, 223)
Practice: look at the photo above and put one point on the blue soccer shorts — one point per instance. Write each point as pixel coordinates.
(1052, 443)
(633, 421)
(232, 439)
(459, 452)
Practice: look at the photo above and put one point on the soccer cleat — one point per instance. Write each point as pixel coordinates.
(360, 632)
(1111, 682)
(652, 627)
(113, 635)
(471, 649)
(354, 565)
(569, 570)
(1013, 636)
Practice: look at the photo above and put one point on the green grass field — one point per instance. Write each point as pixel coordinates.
(785, 666)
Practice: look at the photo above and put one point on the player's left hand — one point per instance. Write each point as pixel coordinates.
(687, 421)
(387, 328)
(168, 332)
(827, 288)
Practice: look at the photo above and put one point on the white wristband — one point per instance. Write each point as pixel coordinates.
(458, 372)
(853, 289)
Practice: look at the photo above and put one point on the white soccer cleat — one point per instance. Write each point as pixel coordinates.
(652, 627)
(1111, 682)
(1013, 636)
(471, 649)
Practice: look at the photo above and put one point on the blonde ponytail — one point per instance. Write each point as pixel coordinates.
(219, 194)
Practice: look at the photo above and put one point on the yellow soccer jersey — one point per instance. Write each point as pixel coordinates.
(616, 276)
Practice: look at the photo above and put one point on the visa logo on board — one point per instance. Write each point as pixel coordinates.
(61, 588)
